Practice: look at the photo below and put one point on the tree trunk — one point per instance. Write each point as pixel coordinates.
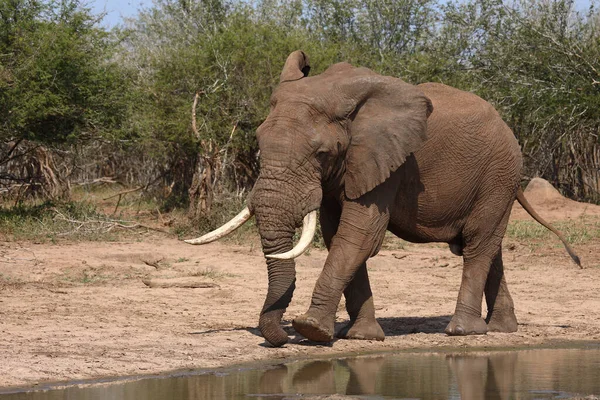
(201, 191)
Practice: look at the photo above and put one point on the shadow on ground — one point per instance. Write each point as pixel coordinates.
(398, 326)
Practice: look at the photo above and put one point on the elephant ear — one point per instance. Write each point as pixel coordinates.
(388, 123)
(296, 66)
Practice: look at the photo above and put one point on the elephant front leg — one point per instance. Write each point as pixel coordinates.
(361, 309)
(501, 310)
(359, 298)
(358, 237)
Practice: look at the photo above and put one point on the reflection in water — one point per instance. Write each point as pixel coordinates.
(484, 377)
(525, 374)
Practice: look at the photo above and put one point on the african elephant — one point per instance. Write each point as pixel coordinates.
(429, 163)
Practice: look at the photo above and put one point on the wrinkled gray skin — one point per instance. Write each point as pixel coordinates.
(429, 163)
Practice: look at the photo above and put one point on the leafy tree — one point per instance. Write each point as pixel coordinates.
(538, 63)
(58, 83)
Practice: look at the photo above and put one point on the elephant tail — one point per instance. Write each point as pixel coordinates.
(525, 204)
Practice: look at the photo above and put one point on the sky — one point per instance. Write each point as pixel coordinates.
(118, 9)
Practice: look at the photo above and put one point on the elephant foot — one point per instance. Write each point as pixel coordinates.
(313, 329)
(270, 327)
(362, 329)
(466, 325)
(502, 321)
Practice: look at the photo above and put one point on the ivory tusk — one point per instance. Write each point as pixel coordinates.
(309, 227)
(224, 230)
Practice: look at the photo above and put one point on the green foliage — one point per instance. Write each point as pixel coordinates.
(57, 81)
(537, 62)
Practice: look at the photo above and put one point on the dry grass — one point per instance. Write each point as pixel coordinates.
(579, 231)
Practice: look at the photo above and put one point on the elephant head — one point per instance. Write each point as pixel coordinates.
(339, 134)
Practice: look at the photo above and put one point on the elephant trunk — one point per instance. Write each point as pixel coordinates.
(276, 225)
(280, 202)
(282, 282)
(309, 228)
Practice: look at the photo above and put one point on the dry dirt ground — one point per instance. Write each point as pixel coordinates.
(81, 310)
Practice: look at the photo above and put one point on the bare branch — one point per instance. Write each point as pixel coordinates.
(194, 127)
(124, 192)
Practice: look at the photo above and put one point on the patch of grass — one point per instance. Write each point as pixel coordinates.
(182, 259)
(580, 231)
(9, 281)
(38, 222)
(212, 274)
(51, 221)
(88, 276)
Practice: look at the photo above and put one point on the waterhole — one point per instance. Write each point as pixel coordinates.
(516, 374)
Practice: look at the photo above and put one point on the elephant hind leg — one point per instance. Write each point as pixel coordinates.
(467, 315)
(361, 309)
(483, 235)
(501, 310)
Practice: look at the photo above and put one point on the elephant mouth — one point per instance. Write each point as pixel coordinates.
(309, 228)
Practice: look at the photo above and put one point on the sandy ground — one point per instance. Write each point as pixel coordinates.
(81, 310)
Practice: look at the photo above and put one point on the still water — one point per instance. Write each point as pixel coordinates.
(516, 374)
